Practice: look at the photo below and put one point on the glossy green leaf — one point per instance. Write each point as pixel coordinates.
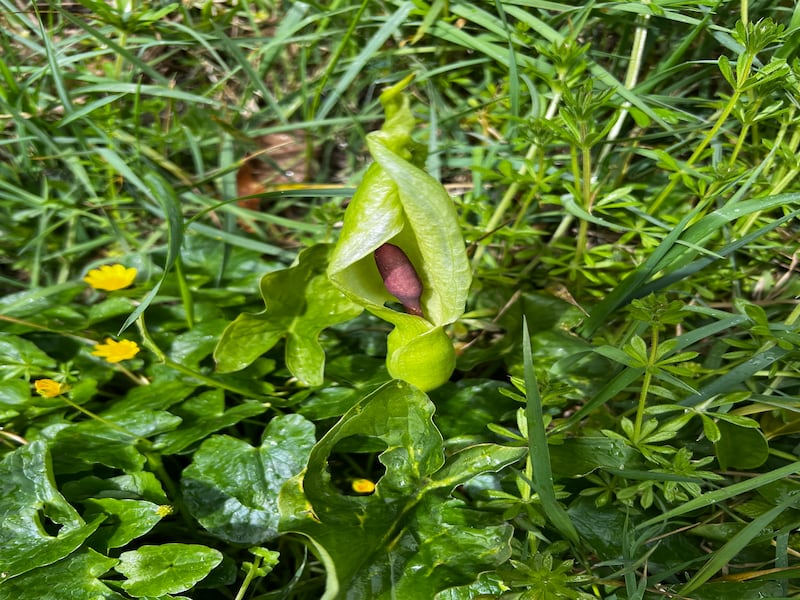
(111, 442)
(398, 203)
(475, 460)
(14, 395)
(166, 569)
(110, 308)
(159, 395)
(300, 303)
(72, 578)
(125, 520)
(598, 527)
(30, 507)
(232, 488)
(35, 302)
(576, 457)
(18, 357)
(740, 447)
(139, 485)
(408, 539)
(203, 415)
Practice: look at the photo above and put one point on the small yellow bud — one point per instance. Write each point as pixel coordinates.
(363, 486)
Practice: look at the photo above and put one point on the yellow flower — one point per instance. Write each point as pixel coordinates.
(110, 277)
(363, 486)
(115, 352)
(49, 388)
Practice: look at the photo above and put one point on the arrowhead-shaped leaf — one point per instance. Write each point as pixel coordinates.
(409, 539)
(300, 303)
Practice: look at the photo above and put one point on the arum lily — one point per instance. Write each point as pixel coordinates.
(401, 242)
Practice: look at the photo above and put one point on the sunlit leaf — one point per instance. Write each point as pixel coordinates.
(166, 569)
(232, 488)
(408, 538)
(300, 302)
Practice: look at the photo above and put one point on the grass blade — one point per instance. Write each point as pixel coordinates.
(712, 498)
(360, 61)
(736, 544)
(537, 446)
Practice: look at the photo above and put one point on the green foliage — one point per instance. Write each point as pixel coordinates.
(301, 302)
(588, 388)
(409, 537)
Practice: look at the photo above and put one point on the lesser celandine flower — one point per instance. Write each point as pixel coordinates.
(110, 277)
(115, 352)
(49, 388)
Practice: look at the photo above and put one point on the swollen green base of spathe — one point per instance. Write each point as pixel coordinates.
(426, 361)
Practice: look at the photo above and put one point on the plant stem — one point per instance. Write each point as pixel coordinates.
(97, 417)
(511, 192)
(186, 293)
(648, 376)
(631, 78)
(248, 578)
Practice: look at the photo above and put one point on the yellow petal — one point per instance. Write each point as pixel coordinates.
(363, 486)
(110, 277)
(49, 388)
(115, 352)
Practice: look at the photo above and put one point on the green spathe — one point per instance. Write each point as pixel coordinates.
(399, 203)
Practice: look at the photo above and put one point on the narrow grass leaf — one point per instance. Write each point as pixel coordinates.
(157, 190)
(89, 108)
(337, 54)
(538, 449)
(255, 79)
(727, 250)
(617, 384)
(56, 71)
(736, 544)
(118, 51)
(241, 241)
(712, 498)
(513, 71)
(737, 375)
(157, 91)
(371, 48)
(628, 289)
